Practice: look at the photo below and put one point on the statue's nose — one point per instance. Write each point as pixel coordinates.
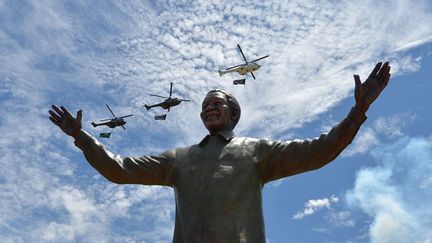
(210, 107)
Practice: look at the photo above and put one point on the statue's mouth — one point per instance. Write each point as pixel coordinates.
(212, 114)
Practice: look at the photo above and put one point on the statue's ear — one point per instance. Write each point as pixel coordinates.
(235, 113)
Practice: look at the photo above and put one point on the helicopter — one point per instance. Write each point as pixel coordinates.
(112, 122)
(168, 103)
(243, 69)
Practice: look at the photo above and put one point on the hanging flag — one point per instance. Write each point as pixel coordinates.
(105, 135)
(160, 117)
(239, 81)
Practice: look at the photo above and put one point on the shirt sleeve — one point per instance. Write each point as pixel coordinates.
(147, 170)
(278, 159)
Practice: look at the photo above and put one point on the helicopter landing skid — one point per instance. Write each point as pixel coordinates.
(160, 117)
(239, 81)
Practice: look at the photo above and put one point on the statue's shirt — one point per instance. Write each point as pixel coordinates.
(218, 182)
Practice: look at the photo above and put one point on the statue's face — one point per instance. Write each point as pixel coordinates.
(215, 113)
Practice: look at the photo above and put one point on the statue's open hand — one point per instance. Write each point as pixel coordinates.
(367, 92)
(64, 119)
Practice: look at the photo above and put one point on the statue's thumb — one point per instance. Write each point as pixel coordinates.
(79, 115)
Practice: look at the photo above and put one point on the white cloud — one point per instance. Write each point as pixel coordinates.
(82, 211)
(390, 193)
(314, 205)
(192, 43)
(277, 183)
(340, 218)
(80, 217)
(392, 126)
(414, 44)
(369, 137)
(426, 183)
(51, 193)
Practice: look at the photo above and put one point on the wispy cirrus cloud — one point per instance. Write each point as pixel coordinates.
(340, 218)
(384, 127)
(363, 142)
(393, 126)
(189, 50)
(415, 43)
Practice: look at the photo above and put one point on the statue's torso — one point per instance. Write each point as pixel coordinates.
(218, 192)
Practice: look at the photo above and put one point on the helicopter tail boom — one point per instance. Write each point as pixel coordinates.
(222, 72)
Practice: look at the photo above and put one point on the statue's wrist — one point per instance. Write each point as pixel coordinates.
(75, 133)
(361, 107)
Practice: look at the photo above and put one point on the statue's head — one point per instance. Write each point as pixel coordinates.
(220, 111)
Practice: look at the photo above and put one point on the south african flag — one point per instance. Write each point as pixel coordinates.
(105, 135)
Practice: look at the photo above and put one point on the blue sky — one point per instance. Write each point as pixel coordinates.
(85, 54)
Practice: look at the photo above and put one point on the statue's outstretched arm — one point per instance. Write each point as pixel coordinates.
(278, 159)
(148, 170)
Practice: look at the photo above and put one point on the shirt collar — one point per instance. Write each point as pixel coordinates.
(225, 135)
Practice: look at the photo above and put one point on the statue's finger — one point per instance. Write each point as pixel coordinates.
(66, 112)
(357, 80)
(54, 121)
(386, 80)
(358, 84)
(79, 115)
(383, 70)
(55, 116)
(375, 70)
(58, 111)
(384, 77)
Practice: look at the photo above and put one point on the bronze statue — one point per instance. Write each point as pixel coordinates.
(218, 182)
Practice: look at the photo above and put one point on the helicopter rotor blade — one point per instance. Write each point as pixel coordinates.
(253, 75)
(111, 111)
(126, 116)
(260, 58)
(123, 127)
(234, 67)
(238, 45)
(170, 90)
(160, 96)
